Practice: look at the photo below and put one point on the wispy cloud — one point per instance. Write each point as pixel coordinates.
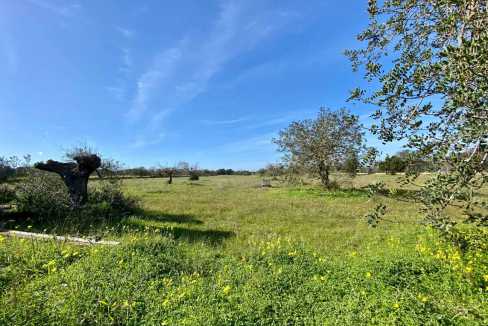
(225, 122)
(179, 74)
(149, 81)
(119, 89)
(125, 32)
(284, 119)
(259, 143)
(142, 141)
(62, 8)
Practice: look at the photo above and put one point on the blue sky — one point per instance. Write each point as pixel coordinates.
(149, 82)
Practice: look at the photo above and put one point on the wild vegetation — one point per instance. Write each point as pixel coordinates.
(309, 240)
(222, 250)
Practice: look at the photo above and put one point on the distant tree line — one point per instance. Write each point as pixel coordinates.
(15, 167)
(176, 171)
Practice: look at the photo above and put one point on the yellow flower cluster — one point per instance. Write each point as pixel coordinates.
(422, 298)
(226, 290)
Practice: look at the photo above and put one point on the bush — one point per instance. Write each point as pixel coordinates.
(7, 194)
(109, 194)
(194, 177)
(44, 196)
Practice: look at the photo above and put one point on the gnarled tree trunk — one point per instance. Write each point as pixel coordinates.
(324, 174)
(74, 175)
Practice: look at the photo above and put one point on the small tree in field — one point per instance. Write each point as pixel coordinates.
(319, 145)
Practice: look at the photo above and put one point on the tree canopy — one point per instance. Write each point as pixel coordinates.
(321, 144)
(427, 62)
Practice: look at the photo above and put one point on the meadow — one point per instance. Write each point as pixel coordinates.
(224, 251)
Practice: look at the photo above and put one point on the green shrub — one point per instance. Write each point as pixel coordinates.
(44, 196)
(194, 177)
(109, 195)
(7, 194)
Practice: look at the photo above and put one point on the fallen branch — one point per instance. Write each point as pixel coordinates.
(41, 236)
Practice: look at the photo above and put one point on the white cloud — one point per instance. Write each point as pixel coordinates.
(179, 74)
(183, 72)
(150, 81)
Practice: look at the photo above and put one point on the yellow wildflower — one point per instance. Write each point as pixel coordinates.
(368, 275)
(422, 298)
(396, 305)
(226, 290)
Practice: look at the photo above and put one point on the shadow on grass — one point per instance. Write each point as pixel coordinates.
(408, 195)
(170, 218)
(148, 222)
(177, 232)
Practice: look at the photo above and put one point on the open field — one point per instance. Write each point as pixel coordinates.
(222, 250)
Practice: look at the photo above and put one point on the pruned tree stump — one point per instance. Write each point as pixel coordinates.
(74, 175)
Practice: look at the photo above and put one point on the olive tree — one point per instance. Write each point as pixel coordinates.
(427, 64)
(321, 144)
(370, 159)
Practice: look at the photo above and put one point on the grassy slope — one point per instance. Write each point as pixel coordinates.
(224, 251)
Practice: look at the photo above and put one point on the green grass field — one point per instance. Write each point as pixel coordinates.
(224, 251)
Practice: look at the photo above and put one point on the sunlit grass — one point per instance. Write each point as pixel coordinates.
(223, 250)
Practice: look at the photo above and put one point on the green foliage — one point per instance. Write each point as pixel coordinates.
(44, 196)
(7, 194)
(279, 281)
(439, 54)
(319, 145)
(376, 215)
(352, 164)
(194, 177)
(369, 159)
(109, 193)
(393, 165)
